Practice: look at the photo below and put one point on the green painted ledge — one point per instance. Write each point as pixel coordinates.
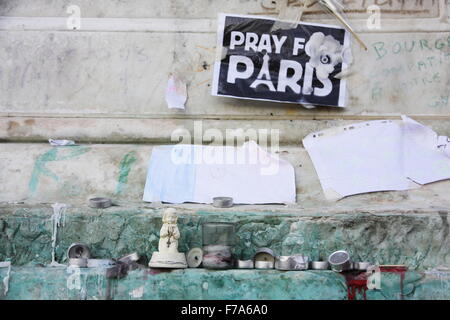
(61, 283)
(417, 239)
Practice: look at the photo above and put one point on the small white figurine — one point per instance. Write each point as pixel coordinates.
(168, 255)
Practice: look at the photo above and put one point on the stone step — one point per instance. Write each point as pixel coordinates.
(91, 284)
(415, 238)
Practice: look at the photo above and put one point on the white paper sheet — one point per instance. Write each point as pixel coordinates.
(248, 174)
(426, 155)
(359, 158)
(379, 155)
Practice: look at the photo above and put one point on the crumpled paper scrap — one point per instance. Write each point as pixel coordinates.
(60, 143)
(176, 93)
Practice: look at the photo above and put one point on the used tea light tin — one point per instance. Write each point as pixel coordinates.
(194, 257)
(222, 202)
(100, 203)
(294, 262)
(78, 251)
(283, 263)
(245, 264)
(264, 258)
(78, 262)
(264, 265)
(319, 265)
(340, 261)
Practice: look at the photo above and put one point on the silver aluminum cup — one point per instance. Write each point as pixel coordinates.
(222, 202)
(283, 263)
(194, 257)
(100, 203)
(78, 262)
(340, 261)
(319, 265)
(78, 250)
(299, 262)
(264, 254)
(264, 264)
(245, 264)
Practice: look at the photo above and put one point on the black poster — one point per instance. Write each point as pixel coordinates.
(268, 59)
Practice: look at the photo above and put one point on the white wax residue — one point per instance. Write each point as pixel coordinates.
(58, 212)
(137, 293)
(6, 264)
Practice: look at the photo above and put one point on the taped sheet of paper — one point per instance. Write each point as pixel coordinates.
(194, 173)
(426, 155)
(381, 155)
(176, 93)
(359, 158)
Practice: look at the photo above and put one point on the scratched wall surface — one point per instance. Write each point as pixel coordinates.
(122, 74)
(207, 8)
(105, 82)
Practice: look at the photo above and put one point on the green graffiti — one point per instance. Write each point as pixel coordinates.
(124, 170)
(383, 49)
(40, 168)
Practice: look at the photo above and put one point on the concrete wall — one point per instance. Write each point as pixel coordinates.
(105, 83)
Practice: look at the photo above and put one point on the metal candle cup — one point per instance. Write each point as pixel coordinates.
(78, 262)
(78, 250)
(319, 265)
(245, 264)
(283, 263)
(264, 264)
(340, 261)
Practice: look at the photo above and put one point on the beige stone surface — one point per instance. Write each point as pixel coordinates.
(34, 173)
(208, 8)
(125, 74)
(105, 84)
